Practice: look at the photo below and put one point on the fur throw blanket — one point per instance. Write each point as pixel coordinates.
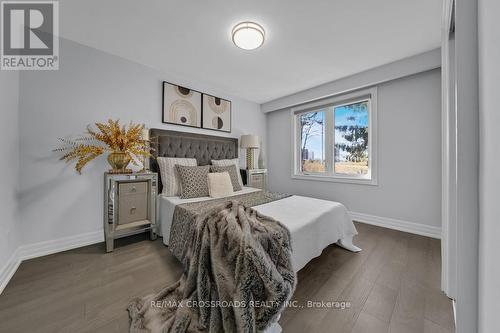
(239, 277)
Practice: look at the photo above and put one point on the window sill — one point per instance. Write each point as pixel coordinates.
(336, 179)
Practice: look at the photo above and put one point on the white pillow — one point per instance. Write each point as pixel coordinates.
(169, 174)
(234, 161)
(219, 185)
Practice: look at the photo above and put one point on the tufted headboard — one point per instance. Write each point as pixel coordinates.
(190, 145)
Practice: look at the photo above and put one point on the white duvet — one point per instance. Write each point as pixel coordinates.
(313, 223)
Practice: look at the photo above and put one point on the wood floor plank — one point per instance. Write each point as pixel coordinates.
(430, 327)
(434, 264)
(369, 324)
(343, 320)
(408, 315)
(438, 310)
(381, 302)
(305, 318)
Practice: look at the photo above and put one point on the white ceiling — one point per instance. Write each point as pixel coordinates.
(308, 42)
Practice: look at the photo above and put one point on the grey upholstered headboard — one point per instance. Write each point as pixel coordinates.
(190, 145)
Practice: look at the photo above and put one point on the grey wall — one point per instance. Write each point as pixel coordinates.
(409, 158)
(9, 166)
(90, 86)
(489, 177)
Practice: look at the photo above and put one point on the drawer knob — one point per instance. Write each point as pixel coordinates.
(133, 210)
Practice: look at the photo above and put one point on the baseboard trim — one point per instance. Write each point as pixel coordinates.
(390, 223)
(41, 249)
(58, 245)
(9, 269)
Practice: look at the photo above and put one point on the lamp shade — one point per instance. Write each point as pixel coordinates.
(249, 141)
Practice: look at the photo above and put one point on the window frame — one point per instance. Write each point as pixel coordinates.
(339, 100)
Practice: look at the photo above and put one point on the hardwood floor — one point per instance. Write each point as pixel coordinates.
(391, 286)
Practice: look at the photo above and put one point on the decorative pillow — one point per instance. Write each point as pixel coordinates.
(234, 161)
(219, 185)
(170, 176)
(233, 174)
(193, 179)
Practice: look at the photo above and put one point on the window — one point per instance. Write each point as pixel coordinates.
(335, 139)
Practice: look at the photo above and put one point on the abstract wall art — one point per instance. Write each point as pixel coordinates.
(216, 113)
(181, 105)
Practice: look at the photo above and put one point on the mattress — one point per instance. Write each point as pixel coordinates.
(313, 223)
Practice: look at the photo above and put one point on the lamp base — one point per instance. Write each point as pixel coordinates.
(249, 158)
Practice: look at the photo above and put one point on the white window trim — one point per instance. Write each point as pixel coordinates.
(372, 139)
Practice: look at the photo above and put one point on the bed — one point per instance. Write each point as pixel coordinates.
(314, 224)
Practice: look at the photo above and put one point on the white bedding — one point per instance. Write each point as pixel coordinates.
(313, 223)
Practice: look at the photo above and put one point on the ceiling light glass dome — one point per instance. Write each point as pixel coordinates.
(248, 35)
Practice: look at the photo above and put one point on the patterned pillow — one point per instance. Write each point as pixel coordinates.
(169, 174)
(233, 174)
(194, 183)
(234, 161)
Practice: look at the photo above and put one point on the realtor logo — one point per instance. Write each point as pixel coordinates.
(29, 35)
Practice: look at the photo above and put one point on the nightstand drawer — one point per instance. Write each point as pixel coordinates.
(133, 188)
(258, 181)
(133, 207)
(256, 178)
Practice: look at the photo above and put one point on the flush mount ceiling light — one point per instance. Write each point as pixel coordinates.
(248, 35)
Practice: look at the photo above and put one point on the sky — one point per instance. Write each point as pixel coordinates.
(343, 116)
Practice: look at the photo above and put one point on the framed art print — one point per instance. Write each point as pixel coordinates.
(216, 113)
(181, 105)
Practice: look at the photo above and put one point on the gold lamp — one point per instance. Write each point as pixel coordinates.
(249, 142)
(145, 160)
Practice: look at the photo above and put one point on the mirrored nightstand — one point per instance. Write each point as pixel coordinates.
(129, 205)
(254, 178)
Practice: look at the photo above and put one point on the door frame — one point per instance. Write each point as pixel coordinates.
(449, 153)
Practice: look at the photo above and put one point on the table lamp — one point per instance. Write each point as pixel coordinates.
(249, 142)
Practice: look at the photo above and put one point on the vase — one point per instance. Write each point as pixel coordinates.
(119, 161)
